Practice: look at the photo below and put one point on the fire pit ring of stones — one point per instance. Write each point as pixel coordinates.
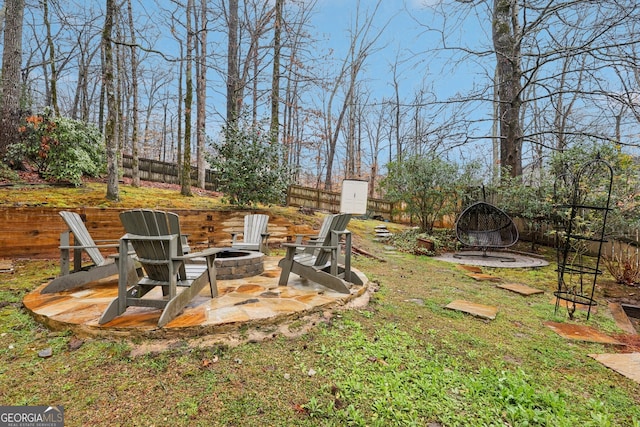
(237, 264)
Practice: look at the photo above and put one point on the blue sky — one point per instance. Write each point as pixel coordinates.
(405, 38)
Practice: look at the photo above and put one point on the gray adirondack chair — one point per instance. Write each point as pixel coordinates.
(322, 233)
(322, 263)
(76, 239)
(156, 239)
(254, 235)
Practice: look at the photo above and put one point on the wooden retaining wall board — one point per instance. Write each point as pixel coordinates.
(34, 232)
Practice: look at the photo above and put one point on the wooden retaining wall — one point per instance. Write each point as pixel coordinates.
(34, 232)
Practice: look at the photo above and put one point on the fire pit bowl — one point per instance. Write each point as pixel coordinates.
(236, 264)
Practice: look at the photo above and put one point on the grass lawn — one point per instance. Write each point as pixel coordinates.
(402, 360)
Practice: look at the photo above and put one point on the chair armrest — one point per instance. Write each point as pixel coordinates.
(202, 254)
(303, 246)
(115, 245)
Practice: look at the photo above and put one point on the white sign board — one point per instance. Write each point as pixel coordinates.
(354, 197)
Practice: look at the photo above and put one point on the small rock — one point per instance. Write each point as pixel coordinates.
(75, 343)
(46, 353)
(311, 372)
(287, 376)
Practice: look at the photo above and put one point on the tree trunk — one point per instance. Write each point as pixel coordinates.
(188, 101)
(233, 71)
(11, 62)
(179, 117)
(135, 162)
(113, 192)
(275, 82)
(506, 41)
(201, 92)
(52, 59)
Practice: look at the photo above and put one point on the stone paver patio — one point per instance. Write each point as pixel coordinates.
(250, 301)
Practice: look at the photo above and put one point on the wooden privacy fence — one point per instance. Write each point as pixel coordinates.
(329, 201)
(157, 171)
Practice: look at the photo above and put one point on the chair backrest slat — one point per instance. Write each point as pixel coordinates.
(337, 223)
(148, 222)
(254, 226)
(81, 236)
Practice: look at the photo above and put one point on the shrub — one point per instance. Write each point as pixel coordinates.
(250, 167)
(429, 187)
(60, 148)
(623, 264)
(6, 174)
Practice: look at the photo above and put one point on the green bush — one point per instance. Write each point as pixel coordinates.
(250, 168)
(428, 186)
(59, 148)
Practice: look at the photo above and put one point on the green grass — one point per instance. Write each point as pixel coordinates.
(402, 360)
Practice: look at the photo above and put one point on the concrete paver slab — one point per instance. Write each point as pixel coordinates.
(621, 318)
(520, 289)
(581, 333)
(478, 310)
(627, 364)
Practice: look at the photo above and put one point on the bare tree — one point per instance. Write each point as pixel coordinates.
(553, 58)
(11, 62)
(233, 66)
(362, 44)
(188, 102)
(507, 43)
(201, 90)
(52, 58)
(135, 164)
(113, 192)
(275, 78)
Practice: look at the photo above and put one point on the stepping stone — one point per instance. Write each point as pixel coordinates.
(520, 289)
(6, 266)
(627, 364)
(479, 310)
(621, 318)
(481, 277)
(581, 333)
(471, 268)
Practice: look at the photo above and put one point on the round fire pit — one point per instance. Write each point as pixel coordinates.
(236, 264)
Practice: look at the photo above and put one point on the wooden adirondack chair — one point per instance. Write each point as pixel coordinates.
(156, 239)
(322, 233)
(254, 236)
(321, 263)
(77, 239)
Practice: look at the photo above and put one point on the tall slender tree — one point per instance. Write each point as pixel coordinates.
(201, 93)
(233, 68)
(108, 81)
(507, 44)
(11, 79)
(53, 79)
(185, 189)
(275, 78)
(135, 163)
